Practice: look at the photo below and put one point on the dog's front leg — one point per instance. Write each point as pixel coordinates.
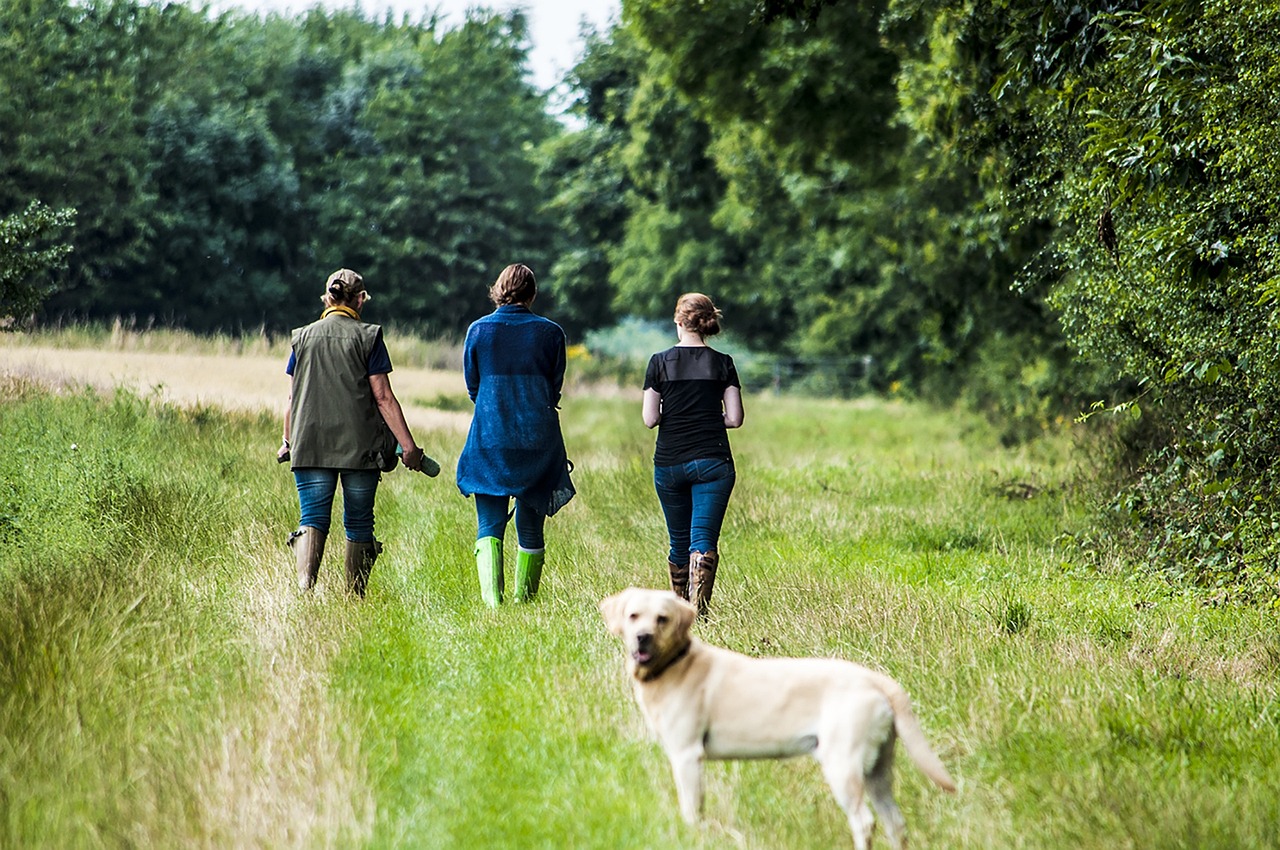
(686, 765)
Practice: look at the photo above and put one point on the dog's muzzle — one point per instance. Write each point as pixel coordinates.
(643, 653)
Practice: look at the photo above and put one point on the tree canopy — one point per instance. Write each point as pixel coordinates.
(222, 166)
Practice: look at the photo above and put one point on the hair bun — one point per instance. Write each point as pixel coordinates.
(696, 312)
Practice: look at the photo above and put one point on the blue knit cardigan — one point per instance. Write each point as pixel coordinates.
(513, 362)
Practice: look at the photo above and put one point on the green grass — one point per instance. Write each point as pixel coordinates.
(162, 684)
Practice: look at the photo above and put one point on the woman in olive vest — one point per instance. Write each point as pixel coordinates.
(340, 397)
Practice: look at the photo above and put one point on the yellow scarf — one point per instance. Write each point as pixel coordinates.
(344, 310)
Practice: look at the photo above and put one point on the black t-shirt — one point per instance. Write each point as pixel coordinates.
(691, 381)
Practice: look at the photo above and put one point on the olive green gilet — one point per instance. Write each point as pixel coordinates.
(334, 418)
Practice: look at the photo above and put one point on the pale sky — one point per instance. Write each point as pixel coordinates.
(553, 24)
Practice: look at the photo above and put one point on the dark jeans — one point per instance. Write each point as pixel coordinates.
(492, 513)
(316, 488)
(694, 497)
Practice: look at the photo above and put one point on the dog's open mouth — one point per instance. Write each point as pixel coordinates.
(642, 656)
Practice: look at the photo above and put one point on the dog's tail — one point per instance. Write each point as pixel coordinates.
(912, 736)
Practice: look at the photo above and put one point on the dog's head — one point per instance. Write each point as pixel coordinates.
(654, 627)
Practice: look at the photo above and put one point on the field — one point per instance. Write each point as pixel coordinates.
(162, 684)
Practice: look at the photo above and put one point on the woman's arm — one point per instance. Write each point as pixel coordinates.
(733, 412)
(393, 415)
(288, 417)
(651, 409)
(557, 378)
(470, 365)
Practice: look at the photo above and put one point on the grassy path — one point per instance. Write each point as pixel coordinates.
(161, 683)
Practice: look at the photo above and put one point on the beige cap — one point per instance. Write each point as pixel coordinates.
(346, 284)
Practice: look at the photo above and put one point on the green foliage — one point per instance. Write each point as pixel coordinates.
(223, 198)
(588, 184)
(28, 256)
(783, 159)
(1135, 129)
(631, 339)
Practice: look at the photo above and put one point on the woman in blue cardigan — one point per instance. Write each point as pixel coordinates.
(513, 362)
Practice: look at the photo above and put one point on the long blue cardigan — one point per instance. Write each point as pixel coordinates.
(513, 362)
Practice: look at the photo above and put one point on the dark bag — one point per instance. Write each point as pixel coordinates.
(385, 448)
(564, 490)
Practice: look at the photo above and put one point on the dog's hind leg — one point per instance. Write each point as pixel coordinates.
(880, 790)
(857, 757)
(844, 776)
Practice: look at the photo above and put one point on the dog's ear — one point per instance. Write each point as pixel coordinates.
(611, 607)
(686, 614)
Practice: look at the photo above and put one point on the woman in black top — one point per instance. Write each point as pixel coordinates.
(692, 393)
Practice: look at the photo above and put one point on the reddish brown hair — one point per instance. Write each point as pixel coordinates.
(696, 312)
(516, 285)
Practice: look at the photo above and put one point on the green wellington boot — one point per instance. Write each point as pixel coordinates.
(489, 567)
(528, 573)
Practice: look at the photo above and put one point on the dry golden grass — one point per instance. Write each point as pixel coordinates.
(245, 382)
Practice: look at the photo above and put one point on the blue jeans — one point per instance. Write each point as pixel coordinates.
(492, 513)
(694, 497)
(316, 487)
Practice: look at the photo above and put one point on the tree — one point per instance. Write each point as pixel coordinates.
(1143, 135)
(27, 256)
(221, 199)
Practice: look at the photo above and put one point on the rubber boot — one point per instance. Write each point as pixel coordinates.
(528, 573)
(359, 562)
(307, 544)
(702, 578)
(489, 567)
(679, 579)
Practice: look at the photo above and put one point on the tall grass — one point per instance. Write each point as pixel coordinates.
(163, 684)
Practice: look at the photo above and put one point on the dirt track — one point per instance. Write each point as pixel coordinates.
(233, 382)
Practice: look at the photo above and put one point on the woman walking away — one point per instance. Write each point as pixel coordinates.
(513, 362)
(333, 430)
(692, 393)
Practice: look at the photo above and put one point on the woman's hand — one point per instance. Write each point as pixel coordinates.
(282, 453)
(412, 458)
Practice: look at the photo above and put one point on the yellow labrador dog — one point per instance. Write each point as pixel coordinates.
(705, 702)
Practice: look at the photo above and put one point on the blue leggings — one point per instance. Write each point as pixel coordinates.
(492, 513)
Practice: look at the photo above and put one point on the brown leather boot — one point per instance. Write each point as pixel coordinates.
(307, 544)
(359, 563)
(702, 578)
(679, 579)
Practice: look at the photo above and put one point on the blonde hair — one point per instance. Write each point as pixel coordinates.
(695, 312)
(515, 285)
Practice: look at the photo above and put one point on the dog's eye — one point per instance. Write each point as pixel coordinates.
(662, 619)
(633, 616)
